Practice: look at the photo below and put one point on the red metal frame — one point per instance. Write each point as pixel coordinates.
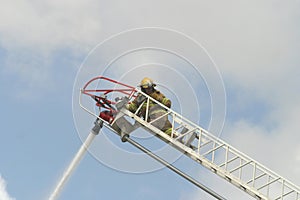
(98, 94)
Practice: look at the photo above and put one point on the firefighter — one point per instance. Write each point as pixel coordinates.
(147, 86)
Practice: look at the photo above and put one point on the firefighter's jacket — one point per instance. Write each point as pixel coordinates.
(154, 108)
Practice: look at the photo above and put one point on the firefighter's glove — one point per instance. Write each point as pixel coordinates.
(168, 104)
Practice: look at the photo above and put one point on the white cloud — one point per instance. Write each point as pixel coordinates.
(49, 25)
(41, 39)
(3, 191)
(278, 149)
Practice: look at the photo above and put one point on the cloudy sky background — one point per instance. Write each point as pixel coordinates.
(255, 45)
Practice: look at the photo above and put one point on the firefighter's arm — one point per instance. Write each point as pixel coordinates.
(167, 102)
(164, 100)
(132, 107)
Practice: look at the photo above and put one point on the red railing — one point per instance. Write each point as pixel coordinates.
(99, 93)
(100, 96)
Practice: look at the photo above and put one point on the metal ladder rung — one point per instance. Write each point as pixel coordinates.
(243, 165)
(269, 182)
(229, 161)
(206, 143)
(208, 152)
(257, 177)
(191, 139)
(180, 126)
(285, 194)
(159, 118)
(187, 132)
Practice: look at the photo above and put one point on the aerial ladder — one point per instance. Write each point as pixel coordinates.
(187, 137)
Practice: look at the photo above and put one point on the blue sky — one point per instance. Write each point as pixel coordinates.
(43, 44)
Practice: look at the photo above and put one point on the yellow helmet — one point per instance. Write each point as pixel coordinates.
(146, 83)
